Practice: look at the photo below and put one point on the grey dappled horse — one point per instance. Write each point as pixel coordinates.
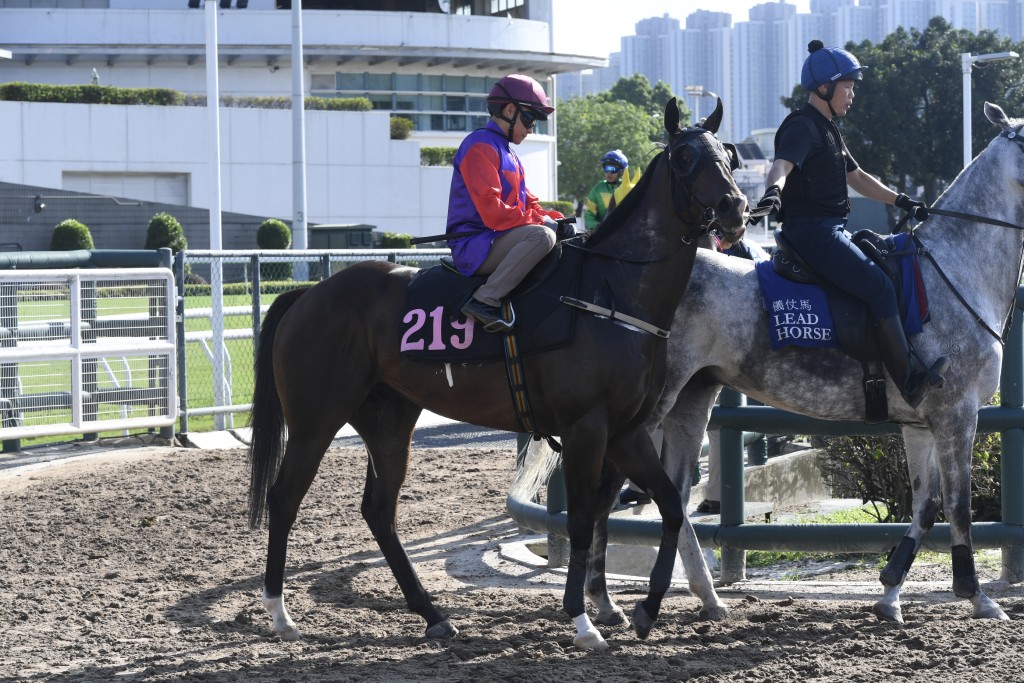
(720, 337)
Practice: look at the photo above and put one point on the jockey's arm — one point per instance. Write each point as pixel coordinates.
(869, 186)
(778, 173)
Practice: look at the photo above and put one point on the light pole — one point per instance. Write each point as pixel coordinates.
(698, 92)
(967, 61)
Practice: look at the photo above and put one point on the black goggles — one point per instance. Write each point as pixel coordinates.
(530, 117)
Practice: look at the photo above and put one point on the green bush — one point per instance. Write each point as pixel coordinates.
(437, 156)
(563, 207)
(274, 234)
(69, 235)
(400, 128)
(165, 231)
(874, 469)
(396, 240)
(107, 94)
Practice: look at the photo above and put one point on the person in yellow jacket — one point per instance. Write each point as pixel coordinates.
(610, 191)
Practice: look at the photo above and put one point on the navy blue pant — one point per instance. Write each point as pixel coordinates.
(823, 243)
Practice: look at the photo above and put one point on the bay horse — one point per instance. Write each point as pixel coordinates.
(721, 338)
(330, 355)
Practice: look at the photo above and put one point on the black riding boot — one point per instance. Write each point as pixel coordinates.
(906, 369)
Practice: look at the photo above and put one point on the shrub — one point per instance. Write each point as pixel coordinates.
(69, 235)
(396, 240)
(274, 234)
(437, 156)
(400, 128)
(165, 231)
(567, 209)
(874, 469)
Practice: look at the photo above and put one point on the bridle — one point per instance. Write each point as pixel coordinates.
(682, 196)
(1017, 137)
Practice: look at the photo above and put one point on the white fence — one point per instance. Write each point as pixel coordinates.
(84, 351)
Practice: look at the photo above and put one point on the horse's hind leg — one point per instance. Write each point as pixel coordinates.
(683, 434)
(298, 468)
(386, 422)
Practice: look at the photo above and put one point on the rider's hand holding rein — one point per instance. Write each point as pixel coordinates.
(771, 202)
(917, 210)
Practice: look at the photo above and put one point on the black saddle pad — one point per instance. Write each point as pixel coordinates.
(434, 329)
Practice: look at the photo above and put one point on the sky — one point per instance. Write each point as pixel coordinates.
(595, 26)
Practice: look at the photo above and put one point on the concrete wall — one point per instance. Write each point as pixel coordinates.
(355, 173)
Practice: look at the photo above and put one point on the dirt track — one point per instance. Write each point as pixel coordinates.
(140, 567)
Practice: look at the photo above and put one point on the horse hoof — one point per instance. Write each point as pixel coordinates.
(989, 609)
(614, 617)
(642, 622)
(590, 640)
(442, 629)
(290, 633)
(886, 611)
(716, 613)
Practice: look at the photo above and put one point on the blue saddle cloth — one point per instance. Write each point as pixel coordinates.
(799, 314)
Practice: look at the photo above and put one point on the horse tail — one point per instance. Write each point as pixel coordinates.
(537, 461)
(266, 419)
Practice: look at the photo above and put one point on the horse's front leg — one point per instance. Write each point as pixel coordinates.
(608, 613)
(633, 453)
(954, 455)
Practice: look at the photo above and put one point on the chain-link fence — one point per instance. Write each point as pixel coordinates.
(218, 325)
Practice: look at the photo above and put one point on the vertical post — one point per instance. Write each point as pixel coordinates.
(90, 407)
(1011, 394)
(734, 560)
(179, 321)
(299, 227)
(9, 371)
(558, 546)
(965, 69)
(254, 264)
(217, 265)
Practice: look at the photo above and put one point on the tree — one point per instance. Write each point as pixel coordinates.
(637, 90)
(587, 128)
(906, 125)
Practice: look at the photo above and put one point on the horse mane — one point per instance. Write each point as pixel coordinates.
(625, 209)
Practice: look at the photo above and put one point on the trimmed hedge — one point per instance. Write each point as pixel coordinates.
(165, 231)
(437, 156)
(70, 235)
(108, 94)
(232, 288)
(274, 234)
(400, 128)
(567, 209)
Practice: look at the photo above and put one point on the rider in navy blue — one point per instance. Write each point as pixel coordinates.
(808, 187)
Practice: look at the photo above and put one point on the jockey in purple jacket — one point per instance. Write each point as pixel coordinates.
(496, 227)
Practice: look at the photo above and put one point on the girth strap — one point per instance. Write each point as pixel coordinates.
(517, 382)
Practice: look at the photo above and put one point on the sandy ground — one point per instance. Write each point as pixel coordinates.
(139, 566)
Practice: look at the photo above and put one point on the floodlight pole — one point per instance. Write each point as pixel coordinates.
(967, 62)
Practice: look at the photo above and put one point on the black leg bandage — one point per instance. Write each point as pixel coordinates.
(965, 579)
(900, 558)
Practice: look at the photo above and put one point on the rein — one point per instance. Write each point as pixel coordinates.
(1001, 338)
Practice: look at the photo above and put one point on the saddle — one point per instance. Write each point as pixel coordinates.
(852, 324)
(434, 329)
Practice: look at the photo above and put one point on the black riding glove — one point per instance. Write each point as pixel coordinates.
(770, 203)
(918, 210)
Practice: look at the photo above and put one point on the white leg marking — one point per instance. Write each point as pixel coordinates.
(448, 374)
(282, 626)
(587, 636)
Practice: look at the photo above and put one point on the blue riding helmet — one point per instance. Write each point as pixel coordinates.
(615, 158)
(826, 65)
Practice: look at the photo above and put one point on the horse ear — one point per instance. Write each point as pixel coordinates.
(712, 122)
(672, 117)
(995, 114)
